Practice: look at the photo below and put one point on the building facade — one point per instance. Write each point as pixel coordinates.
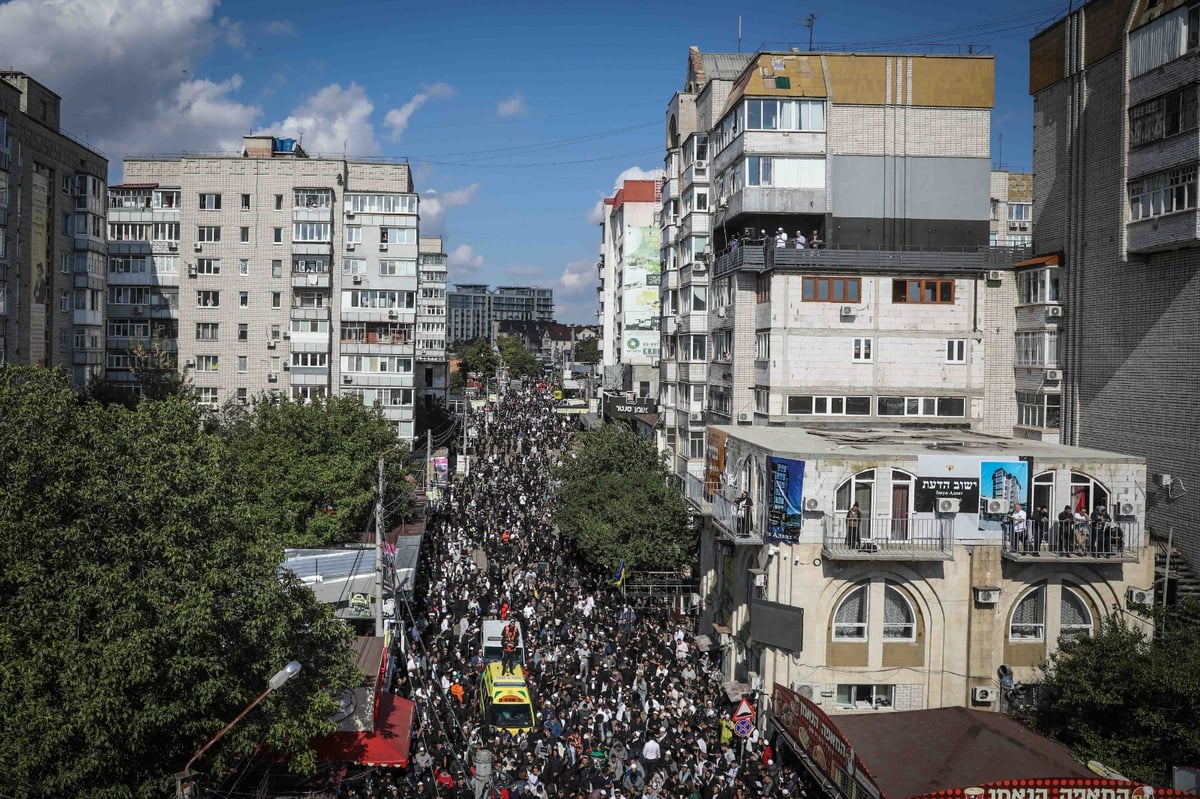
(270, 272)
(826, 227)
(472, 308)
(433, 372)
(883, 569)
(52, 248)
(1012, 209)
(1115, 210)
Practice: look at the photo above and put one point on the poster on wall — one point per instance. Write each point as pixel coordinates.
(952, 477)
(785, 511)
(640, 279)
(714, 463)
(1002, 484)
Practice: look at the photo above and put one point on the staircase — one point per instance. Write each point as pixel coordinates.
(1182, 580)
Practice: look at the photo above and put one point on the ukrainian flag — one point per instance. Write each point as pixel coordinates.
(619, 578)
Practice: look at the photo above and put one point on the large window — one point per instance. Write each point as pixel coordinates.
(208, 266)
(1020, 212)
(1037, 286)
(864, 697)
(1038, 349)
(313, 198)
(831, 289)
(779, 114)
(1163, 193)
(1038, 410)
(785, 173)
(803, 404)
(210, 202)
(208, 233)
(1167, 115)
(311, 231)
(1028, 623)
(1075, 617)
(382, 203)
(939, 292)
(850, 618)
(899, 619)
(922, 406)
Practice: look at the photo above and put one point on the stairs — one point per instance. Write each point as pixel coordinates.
(1181, 582)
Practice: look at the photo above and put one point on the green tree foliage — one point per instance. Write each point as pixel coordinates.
(314, 468)
(618, 502)
(476, 357)
(140, 604)
(587, 351)
(520, 361)
(1130, 701)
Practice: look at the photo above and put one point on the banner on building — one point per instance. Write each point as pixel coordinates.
(1002, 484)
(619, 406)
(640, 279)
(1059, 788)
(785, 513)
(822, 741)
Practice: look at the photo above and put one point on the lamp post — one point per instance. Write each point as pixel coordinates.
(183, 779)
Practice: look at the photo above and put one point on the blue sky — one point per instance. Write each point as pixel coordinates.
(516, 117)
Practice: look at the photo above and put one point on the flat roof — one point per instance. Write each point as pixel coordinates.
(896, 442)
(917, 752)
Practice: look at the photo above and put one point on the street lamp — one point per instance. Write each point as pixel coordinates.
(183, 780)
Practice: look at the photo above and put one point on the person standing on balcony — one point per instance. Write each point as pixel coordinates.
(1020, 529)
(801, 242)
(854, 527)
(744, 507)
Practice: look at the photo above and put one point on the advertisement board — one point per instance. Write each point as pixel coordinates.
(821, 740)
(1059, 788)
(640, 279)
(785, 511)
(1002, 484)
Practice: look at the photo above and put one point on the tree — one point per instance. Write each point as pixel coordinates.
(478, 358)
(617, 502)
(587, 351)
(141, 608)
(1130, 701)
(520, 361)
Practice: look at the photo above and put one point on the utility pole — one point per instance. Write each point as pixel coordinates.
(810, 22)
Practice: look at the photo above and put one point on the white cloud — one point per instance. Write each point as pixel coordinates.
(397, 119)
(195, 116)
(280, 27)
(575, 293)
(232, 32)
(637, 173)
(435, 204)
(512, 106)
(596, 214)
(464, 262)
(334, 120)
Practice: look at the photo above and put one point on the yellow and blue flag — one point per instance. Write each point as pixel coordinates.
(619, 577)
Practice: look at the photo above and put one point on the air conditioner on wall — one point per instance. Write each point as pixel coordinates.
(760, 581)
(847, 310)
(983, 695)
(198, 247)
(655, 363)
(987, 596)
(995, 274)
(699, 268)
(272, 378)
(812, 504)
(173, 246)
(383, 247)
(745, 416)
(356, 279)
(695, 417)
(1139, 596)
(701, 164)
(347, 379)
(995, 506)
(809, 691)
(1126, 507)
(1054, 311)
(1053, 375)
(350, 246)
(272, 343)
(948, 504)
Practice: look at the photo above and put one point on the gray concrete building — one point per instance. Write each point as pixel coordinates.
(275, 272)
(433, 373)
(471, 308)
(52, 248)
(1116, 208)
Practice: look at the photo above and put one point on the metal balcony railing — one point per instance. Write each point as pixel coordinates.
(1085, 540)
(696, 491)
(738, 521)
(886, 537)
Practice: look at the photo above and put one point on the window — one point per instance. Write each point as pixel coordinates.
(310, 359)
(861, 352)
(397, 235)
(126, 264)
(923, 291)
(208, 299)
(242, 398)
(278, 202)
(309, 299)
(699, 298)
(206, 331)
(313, 198)
(801, 405)
(785, 173)
(401, 268)
(1075, 617)
(244, 235)
(276, 268)
(276, 299)
(128, 295)
(243, 331)
(208, 233)
(762, 346)
(311, 231)
(864, 697)
(1087, 492)
(770, 114)
(210, 202)
(697, 349)
(921, 406)
(165, 231)
(850, 618)
(1164, 116)
(1038, 349)
(761, 399)
(208, 396)
(166, 198)
(245, 202)
(275, 332)
(1037, 286)
(1163, 193)
(207, 363)
(831, 289)
(354, 266)
(277, 235)
(762, 287)
(695, 444)
(899, 620)
(243, 363)
(956, 350)
(1020, 212)
(1029, 617)
(382, 203)
(243, 299)
(208, 266)
(1038, 410)
(354, 235)
(243, 266)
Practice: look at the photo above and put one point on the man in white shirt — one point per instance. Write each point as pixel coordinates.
(1020, 528)
(801, 242)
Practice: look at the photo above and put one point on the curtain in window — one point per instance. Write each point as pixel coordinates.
(1153, 45)
(898, 619)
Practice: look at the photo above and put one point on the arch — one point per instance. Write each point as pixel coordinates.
(899, 615)
(672, 133)
(1076, 617)
(849, 620)
(1042, 494)
(1089, 490)
(1027, 619)
(860, 488)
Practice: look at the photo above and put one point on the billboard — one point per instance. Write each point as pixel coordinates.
(785, 511)
(1002, 484)
(640, 278)
(822, 741)
(1059, 788)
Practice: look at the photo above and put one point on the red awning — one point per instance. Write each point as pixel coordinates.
(386, 746)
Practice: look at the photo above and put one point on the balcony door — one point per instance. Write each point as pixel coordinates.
(859, 490)
(902, 495)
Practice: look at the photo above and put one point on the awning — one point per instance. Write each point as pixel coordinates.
(387, 745)
(1041, 260)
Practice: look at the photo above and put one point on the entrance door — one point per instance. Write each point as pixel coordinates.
(900, 498)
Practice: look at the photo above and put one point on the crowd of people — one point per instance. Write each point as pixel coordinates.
(627, 704)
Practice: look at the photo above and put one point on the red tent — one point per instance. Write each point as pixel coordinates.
(386, 745)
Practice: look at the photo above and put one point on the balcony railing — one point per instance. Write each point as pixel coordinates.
(696, 492)
(888, 537)
(1078, 541)
(758, 257)
(739, 522)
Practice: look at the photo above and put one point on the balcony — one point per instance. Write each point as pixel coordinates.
(312, 214)
(1083, 542)
(305, 312)
(1166, 232)
(311, 280)
(735, 523)
(909, 538)
(669, 325)
(695, 490)
(757, 257)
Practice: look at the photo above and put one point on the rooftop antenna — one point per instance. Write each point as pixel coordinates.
(739, 33)
(810, 22)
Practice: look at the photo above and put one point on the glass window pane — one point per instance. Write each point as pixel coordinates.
(852, 289)
(858, 406)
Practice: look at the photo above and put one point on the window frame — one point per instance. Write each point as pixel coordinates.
(862, 349)
(941, 286)
(956, 350)
(890, 590)
(837, 628)
(810, 289)
(1037, 628)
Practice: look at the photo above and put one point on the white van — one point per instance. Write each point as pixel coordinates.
(493, 642)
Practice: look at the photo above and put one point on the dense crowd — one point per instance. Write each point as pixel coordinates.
(627, 706)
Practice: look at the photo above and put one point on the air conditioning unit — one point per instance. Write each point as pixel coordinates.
(948, 504)
(272, 378)
(847, 310)
(356, 279)
(983, 695)
(347, 379)
(695, 417)
(987, 596)
(754, 678)
(1054, 311)
(271, 343)
(173, 246)
(760, 581)
(995, 506)
(1024, 226)
(191, 270)
(808, 691)
(721, 312)
(287, 367)
(812, 504)
(189, 364)
(286, 335)
(1053, 375)
(1126, 508)
(655, 363)
(1139, 596)
(383, 247)
(350, 246)
(198, 247)
(745, 417)
(701, 164)
(349, 214)
(138, 310)
(393, 315)
(995, 275)
(699, 268)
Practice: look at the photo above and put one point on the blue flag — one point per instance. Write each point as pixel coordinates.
(619, 578)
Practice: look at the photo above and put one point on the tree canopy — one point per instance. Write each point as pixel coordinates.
(520, 361)
(617, 502)
(1126, 699)
(478, 357)
(587, 351)
(141, 607)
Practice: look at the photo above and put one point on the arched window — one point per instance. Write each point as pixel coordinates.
(850, 618)
(899, 620)
(1028, 622)
(1043, 492)
(1075, 619)
(858, 488)
(1087, 493)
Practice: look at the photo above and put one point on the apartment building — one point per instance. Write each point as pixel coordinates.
(826, 226)
(269, 271)
(1115, 209)
(52, 249)
(877, 570)
(432, 367)
(1012, 209)
(473, 307)
(630, 272)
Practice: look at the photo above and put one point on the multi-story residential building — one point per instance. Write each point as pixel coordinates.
(630, 271)
(432, 368)
(52, 249)
(825, 247)
(275, 272)
(473, 307)
(1012, 209)
(1116, 205)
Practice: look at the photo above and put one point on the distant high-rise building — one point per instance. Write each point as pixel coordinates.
(52, 249)
(432, 370)
(471, 308)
